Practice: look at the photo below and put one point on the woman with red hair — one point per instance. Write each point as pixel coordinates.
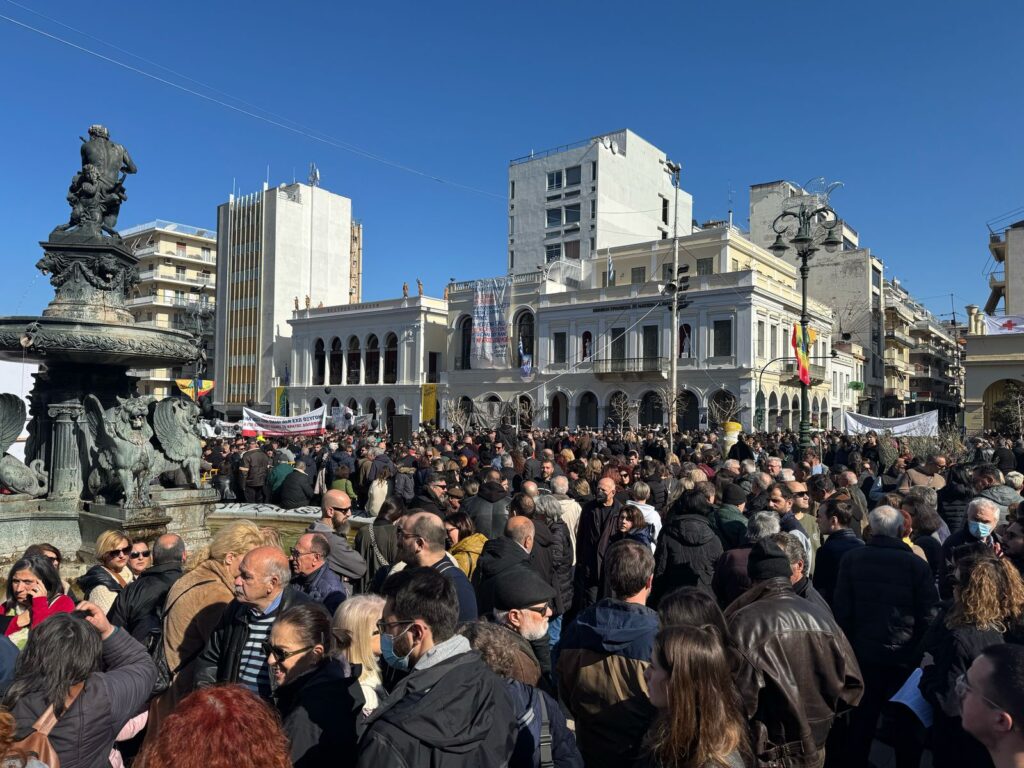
(225, 726)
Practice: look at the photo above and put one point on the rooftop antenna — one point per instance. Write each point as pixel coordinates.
(314, 175)
(729, 182)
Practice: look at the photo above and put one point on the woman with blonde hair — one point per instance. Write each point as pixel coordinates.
(103, 582)
(700, 721)
(355, 630)
(988, 601)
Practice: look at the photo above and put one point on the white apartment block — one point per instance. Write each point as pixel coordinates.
(574, 201)
(279, 249)
(373, 357)
(177, 288)
(849, 281)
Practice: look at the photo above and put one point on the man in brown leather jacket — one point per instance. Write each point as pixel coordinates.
(798, 669)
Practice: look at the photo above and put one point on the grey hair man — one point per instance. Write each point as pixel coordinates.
(571, 509)
(884, 600)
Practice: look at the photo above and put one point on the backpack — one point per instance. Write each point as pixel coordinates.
(154, 644)
(37, 744)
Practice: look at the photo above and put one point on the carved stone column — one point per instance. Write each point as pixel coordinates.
(65, 464)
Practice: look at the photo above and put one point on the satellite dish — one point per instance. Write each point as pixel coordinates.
(615, 147)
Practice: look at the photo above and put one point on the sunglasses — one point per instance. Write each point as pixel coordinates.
(280, 654)
(136, 555)
(124, 551)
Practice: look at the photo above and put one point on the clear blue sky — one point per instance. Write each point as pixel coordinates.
(915, 106)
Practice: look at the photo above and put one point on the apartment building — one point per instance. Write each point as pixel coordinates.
(177, 289)
(573, 201)
(849, 281)
(280, 249)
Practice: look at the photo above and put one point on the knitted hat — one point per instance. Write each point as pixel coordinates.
(767, 561)
(520, 587)
(733, 494)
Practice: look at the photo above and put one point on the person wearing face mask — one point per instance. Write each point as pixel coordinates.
(982, 519)
(315, 692)
(598, 523)
(417, 634)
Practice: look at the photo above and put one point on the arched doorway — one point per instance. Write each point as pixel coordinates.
(372, 359)
(319, 363)
(371, 407)
(318, 403)
(524, 336)
(688, 414)
(773, 413)
(336, 361)
(559, 411)
(1003, 403)
(390, 359)
(586, 410)
(586, 346)
(760, 417)
(389, 412)
(354, 363)
(525, 407)
(652, 413)
(815, 413)
(784, 413)
(352, 405)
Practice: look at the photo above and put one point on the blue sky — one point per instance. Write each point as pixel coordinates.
(914, 106)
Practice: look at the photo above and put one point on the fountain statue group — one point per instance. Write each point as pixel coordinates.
(95, 444)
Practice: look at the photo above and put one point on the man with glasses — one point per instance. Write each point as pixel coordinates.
(808, 523)
(421, 543)
(992, 703)
(312, 576)
(931, 474)
(450, 710)
(234, 653)
(334, 523)
(432, 496)
(139, 607)
(780, 501)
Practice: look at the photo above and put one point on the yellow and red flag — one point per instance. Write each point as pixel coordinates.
(802, 347)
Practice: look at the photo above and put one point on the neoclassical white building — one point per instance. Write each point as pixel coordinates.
(597, 342)
(373, 357)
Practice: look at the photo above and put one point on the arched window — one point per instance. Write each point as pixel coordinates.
(586, 346)
(465, 343)
(524, 335)
(390, 359)
(354, 363)
(651, 411)
(319, 363)
(525, 412)
(336, 356)
(372, 359)
(317, 403)
(685, 341)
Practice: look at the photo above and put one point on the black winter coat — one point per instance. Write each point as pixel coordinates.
(546, 552)
(597, 524)
(85, 733)
(454, 714)
(526, 702)
(488, 509)
(953, 651)
(296, 490)
(953, 501)
(319, 712)
(220, 659)
(884, 600)
(138, 608)
(563, 563)
(499, 556)
(686, 554)
(659, 494)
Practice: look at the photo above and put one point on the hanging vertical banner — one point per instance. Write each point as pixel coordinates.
(280, 396)
(490, 329)
(428, 403)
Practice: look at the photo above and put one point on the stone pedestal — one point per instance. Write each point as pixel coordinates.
(25, 521)
(174, 510)
(92, 277)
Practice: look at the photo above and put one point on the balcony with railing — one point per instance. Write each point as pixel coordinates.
(177, 277)
(153, 250)
(900, 337)
(791, 370)
(631, 368)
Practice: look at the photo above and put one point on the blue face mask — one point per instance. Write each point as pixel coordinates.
(387, 652)
(979, 530)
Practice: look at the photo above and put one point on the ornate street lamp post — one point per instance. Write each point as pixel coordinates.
(804, 243)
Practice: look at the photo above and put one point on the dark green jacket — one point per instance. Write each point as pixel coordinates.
(730, 525)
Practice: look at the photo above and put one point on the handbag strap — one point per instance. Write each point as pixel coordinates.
(381, 560)
(46, 721)
(547, 759)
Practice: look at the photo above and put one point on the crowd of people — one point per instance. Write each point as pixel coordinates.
(543, 598)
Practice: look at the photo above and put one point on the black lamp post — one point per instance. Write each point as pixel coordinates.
(803, 242)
